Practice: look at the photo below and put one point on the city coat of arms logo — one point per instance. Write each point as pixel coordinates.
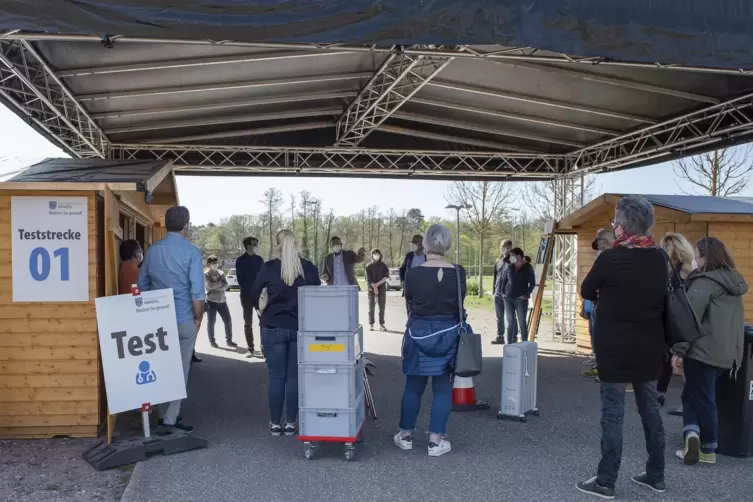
(53, 205)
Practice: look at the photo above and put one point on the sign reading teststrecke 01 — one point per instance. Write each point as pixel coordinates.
(50, 252)
(140, 348)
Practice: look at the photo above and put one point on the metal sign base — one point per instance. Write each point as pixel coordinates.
(128, 451)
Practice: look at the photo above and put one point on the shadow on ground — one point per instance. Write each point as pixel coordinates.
(491, 459)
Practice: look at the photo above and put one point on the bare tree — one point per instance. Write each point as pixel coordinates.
(720, 173)
(539, 196)
(316, 209)
(306, 201)
(292, 213)
(486, 201)
(272, 203)
(390, 234)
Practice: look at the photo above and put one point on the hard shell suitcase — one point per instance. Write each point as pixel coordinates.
(519, 381)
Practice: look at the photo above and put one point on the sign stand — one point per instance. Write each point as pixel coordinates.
(166, 441)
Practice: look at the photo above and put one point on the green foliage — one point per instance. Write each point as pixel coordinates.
(472, 287)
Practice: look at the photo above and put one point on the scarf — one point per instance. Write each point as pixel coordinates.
(635, 241)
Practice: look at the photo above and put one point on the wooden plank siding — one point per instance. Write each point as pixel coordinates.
(49, 381)
(665, 222)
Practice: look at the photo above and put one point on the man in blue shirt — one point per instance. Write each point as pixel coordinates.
(247, 267)
(175, 263)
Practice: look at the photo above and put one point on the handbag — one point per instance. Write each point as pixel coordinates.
(681, 324)
(468, 362)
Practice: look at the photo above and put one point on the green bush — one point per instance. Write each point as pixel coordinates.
(472, 286)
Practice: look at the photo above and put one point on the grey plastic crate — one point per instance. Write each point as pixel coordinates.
(325, 423)
(327, 308)
(324, 347)
(330, 385)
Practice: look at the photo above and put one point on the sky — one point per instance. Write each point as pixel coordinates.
(211, 199)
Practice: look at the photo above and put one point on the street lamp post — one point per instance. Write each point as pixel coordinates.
(457, 208)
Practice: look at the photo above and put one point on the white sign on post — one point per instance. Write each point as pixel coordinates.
(138, 340)
(50, 249)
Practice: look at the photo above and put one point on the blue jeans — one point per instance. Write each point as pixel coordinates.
(516, 307)
(214, 308)
(699, 402)
(499, 309)
(281, 351)
(612, 415)
(441, 402)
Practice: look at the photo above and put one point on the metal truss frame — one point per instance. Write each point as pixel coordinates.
(28, 84)
(568, 197)
(343, 161)
(397, 80)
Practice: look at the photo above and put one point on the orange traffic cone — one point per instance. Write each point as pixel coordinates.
(464, 396)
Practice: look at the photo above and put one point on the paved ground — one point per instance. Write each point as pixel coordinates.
(491, 459)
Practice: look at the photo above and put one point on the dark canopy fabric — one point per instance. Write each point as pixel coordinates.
(691, 32)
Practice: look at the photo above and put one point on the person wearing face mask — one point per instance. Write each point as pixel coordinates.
(603, 241)
(499, 301)
(216, 284)
(131, 257)
(516, 286)
(415, 258)
(340, 265)
(174, 263)
(377, 274)
(247, 267)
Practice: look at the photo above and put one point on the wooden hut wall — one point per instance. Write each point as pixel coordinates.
(49, 378)
(738, 236)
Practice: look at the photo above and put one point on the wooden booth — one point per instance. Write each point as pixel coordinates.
(729, 219)
(61, 224)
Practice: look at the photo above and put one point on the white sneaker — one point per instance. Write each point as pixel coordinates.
(436, 450)
(403, 442)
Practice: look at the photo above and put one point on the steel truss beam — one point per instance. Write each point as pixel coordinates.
(691, 132)
(345, 161)
(397, 80)
(29, 85)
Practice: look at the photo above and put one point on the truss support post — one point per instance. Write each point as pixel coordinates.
(394, 83)
(565, 281)
(28, 84)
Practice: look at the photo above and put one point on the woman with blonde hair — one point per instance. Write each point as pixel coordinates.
(680, 253)
(280, 278)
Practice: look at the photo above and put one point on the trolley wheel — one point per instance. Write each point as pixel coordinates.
(309, 450)
(350, 452)
(535, 413)
(500, 416)
(523, 419)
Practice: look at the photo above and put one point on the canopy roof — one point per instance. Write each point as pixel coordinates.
(429, 111)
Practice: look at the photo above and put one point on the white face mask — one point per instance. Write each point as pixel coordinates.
(376, 257)
(213, 266)
(256, 250)
(414, 247)
(694, 264)
(513, 259)
(337, 248)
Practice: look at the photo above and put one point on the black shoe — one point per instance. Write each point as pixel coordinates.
(214, 345)
(275, 429)
(291, 429)
(498, 341)
(231, 344)
(179, 425)
(592, 487)
(196, 359)
(644, 480)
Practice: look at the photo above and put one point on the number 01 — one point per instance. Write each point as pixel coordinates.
(40, 263)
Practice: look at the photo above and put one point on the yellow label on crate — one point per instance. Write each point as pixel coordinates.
(327, 347)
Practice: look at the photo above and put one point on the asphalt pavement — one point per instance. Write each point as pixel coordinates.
(541, 459)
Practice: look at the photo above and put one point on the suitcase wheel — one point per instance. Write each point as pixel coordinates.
(309, 451)
(350, 452)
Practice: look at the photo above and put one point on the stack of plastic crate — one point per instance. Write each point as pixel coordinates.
(330, 367)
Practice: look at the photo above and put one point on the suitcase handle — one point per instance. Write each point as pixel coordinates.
(325, 338)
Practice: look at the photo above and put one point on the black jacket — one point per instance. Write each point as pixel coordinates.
(247, 267)
(517, 282)
(406, 265)
(629, 340)
(499, 267)
(282, 300)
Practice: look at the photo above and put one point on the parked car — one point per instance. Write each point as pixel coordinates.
(232, 280)
(394, 281)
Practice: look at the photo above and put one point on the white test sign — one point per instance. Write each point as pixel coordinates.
(50, 249)
(138, 340)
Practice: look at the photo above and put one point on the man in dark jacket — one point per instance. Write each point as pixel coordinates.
(247, 267)
(630, 283)
(340, 265)
(415, 258)
(377, 273)
(516, 285)
(499, 301)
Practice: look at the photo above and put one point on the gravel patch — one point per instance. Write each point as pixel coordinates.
(52, 470)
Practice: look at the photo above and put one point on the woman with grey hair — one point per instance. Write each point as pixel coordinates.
(430, 342)
(629, 280)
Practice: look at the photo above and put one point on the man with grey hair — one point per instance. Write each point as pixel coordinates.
(175, 263)
(629, 280)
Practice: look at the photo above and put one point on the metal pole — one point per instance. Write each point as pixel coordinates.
(457, 238)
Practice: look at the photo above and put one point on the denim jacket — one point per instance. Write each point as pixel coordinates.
(430, 345)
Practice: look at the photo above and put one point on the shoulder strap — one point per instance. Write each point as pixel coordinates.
(460, 294)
